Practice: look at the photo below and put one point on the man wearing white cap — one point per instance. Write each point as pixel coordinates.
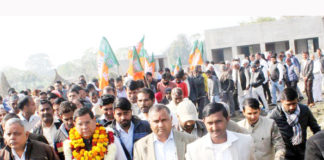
(188, 120)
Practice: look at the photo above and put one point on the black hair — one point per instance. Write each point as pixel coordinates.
(23, 102)
(59, 101)
(59, 82)
(42, 93)
(147, 91)
(51, 96)
(90, 86)
(289, 94)
(166, 76)
(81, 112)
(140, 83)
(66, 107)
(148, 74)
(123, 104)
(167, 70)
(251, 102)
(208, 72)
(75, 89)
(44, 101)
(132, 85)
(94, 80)
(180, 74)
(107, 99)
(256, 62)
(93, 93)
(119, 79)
(212, 108)
(306, 52)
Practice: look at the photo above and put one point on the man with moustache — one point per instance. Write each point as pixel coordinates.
(219, 143)
(48, 127)
(128, 128)
(292, 119)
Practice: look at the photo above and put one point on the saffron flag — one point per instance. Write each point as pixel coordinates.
(135, 68)
(138, 48)
(143, 57)
(150, 64)
(196, 56)
(177, 66)
(106, 59)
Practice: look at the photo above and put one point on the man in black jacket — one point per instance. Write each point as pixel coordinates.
(128, 128)
(256, 81)
(199, 85)
(292, 120)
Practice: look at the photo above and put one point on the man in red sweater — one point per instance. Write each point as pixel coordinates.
(181, 84)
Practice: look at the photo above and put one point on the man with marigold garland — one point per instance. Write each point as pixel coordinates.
(89, 140)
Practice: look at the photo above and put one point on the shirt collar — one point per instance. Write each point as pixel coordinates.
(230, 139)
(23, 155)
(170, 138)
(119, 129)
(31, 118)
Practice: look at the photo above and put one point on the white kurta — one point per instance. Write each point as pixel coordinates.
(317, 82)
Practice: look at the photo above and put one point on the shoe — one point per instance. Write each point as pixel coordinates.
(311, 105)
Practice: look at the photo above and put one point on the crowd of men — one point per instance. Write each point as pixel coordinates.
(174, 116)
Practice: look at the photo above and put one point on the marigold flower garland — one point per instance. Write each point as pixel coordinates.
(100, 140)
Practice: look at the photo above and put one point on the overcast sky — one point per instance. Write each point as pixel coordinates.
(66, 38)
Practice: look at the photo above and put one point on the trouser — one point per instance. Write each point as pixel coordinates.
(266, 91)
(292, 84)
(236, 102)
(258, 92)
(317, 87)
(309, 91)
(201, 102)
(215, 99)
(275, 86)
(242, 97)
(228, 99)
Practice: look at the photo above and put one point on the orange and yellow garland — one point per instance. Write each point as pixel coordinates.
(100, 140)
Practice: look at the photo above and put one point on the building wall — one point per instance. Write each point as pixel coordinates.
(261, 33)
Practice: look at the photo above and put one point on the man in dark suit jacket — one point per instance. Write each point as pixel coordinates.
(308, 78)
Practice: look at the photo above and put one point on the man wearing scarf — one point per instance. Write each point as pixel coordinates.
(293, 119)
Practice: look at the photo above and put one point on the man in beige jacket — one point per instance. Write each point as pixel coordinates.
(267, 139)
(164, 143)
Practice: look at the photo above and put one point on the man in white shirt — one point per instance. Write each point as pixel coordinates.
(269, 144)
(27, 112)
(20, 147)
(164, 143)
(220, 144)
(48, 126)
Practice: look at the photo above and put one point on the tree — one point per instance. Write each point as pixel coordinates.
(258, 20)
(179, 48)
(38, 63)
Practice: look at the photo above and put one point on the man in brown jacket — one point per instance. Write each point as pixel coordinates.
(20, 147)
